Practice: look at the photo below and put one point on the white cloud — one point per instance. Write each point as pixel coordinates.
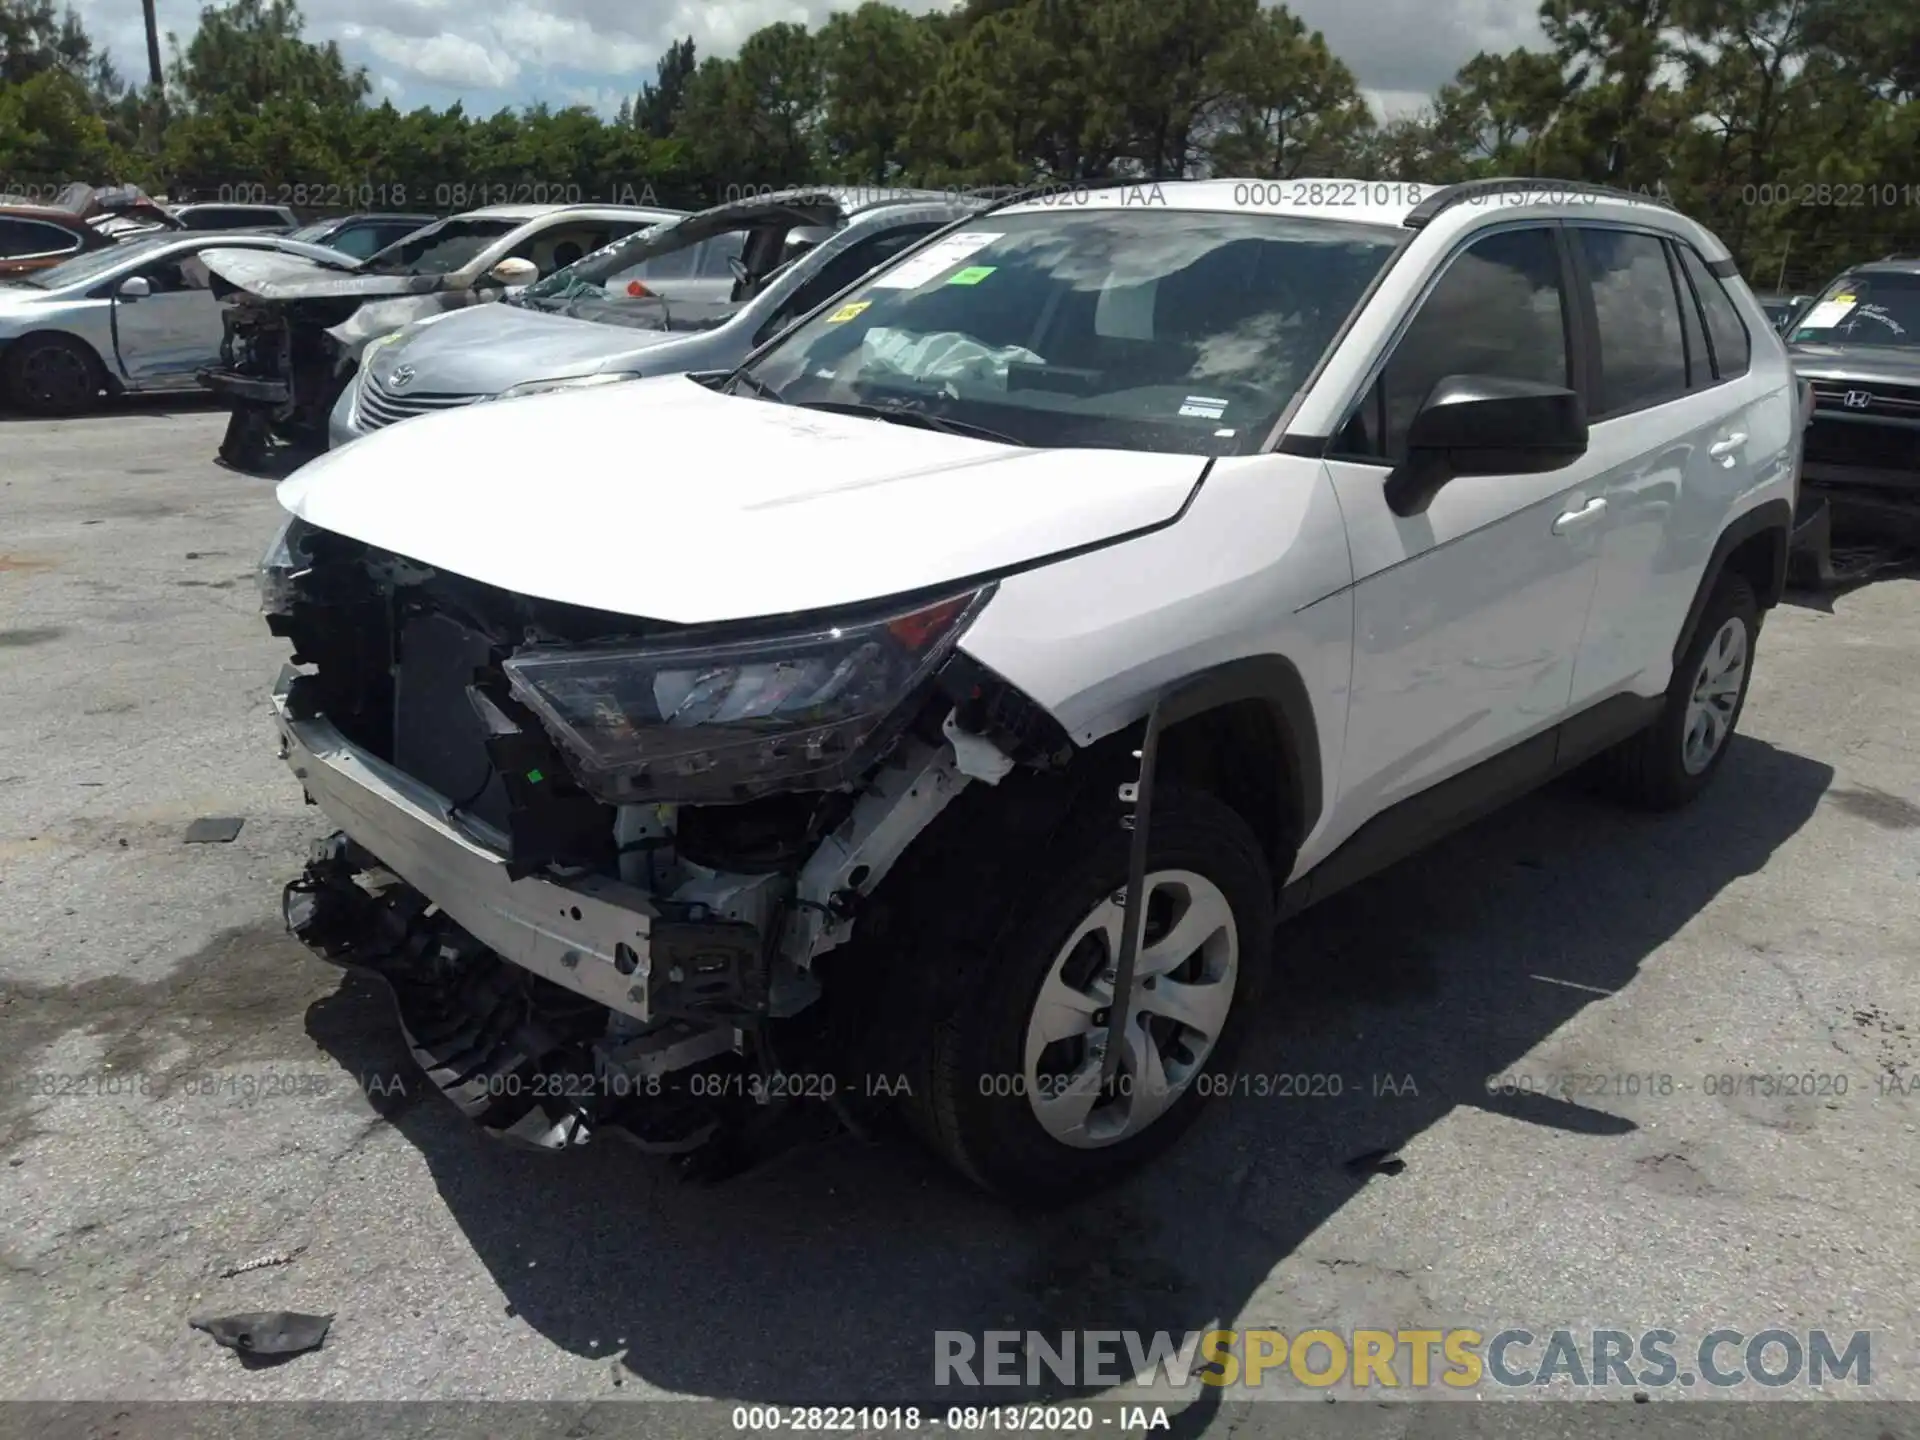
(543, 40)
(451, 60)
(603, 100)
(1417, 45)
(1393, 104)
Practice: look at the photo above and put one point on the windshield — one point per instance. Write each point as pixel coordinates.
(311, 232)
(658, 253)
(91, 265)
(1869, 309)
(1125, 329)
(440, 249)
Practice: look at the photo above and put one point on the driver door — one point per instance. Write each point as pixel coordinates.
(160, 339)
(1467, 617)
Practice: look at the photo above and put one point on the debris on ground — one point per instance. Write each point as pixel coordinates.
(1376, 1162)
(213, 830)
(263, 1262)
(265, 1332)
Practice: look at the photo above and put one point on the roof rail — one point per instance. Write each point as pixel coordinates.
(1519, 187)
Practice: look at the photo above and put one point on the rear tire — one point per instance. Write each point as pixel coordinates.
(1670, 762)
(986, 1070)
(54, 375)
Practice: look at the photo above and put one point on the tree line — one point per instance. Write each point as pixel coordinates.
(1792, 127)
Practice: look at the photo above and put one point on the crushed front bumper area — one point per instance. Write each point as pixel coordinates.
(592, 935)
(545, 1010)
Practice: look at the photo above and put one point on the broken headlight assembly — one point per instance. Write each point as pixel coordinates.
(286, 558)
(736, 720)
(573, 382)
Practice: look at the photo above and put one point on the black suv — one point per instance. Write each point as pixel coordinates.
(1859, 347)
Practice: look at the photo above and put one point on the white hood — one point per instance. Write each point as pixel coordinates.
(661, 499)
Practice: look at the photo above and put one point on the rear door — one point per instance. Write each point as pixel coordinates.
(1467, 618)
(1671, 383)
(161, 338)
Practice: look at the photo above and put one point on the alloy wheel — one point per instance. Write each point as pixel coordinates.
(1717, 686)
(55, 376)
(1183, 992)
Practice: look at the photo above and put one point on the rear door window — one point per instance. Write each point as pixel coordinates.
(1636, 311)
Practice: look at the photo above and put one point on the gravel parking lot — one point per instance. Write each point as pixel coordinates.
(230, 1099)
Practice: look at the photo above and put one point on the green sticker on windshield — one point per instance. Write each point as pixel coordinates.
(972, 275)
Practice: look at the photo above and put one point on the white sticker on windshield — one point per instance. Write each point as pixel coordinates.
(1203, 407)
(937, 259)
(1827, 314)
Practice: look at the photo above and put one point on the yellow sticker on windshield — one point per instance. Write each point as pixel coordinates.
(1842, 300)
(847, 312)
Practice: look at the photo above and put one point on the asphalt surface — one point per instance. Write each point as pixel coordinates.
(185, 1092)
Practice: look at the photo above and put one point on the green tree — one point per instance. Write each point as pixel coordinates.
(1167, 68)
(1023, 94)
(876, 62)
(1496, 113)
(753, 121)
(657, 109)
(50, 129)
(252, 52)
(1614, 127)
(1293, 107)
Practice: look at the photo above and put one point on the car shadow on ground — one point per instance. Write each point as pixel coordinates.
(825, 1276)
(1891, 565)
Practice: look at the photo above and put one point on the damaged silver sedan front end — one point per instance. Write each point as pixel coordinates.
(606, 866)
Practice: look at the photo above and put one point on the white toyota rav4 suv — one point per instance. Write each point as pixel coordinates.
(937, 715)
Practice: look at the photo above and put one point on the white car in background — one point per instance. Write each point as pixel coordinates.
(295, 330)
(136, 316)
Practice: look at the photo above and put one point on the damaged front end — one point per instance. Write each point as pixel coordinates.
(294, 333)
(598, 859)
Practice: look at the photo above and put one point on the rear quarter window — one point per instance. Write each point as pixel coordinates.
(1726, 331)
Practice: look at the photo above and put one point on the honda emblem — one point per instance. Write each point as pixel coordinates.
(1857, 399)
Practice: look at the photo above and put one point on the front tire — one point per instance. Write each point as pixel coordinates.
(1670, 762)
(54, 375)
(1009, 1090)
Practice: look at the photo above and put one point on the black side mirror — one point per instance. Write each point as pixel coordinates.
(1486, 425)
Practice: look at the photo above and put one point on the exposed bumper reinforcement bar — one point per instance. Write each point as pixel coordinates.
(590, 935)
(244, 387)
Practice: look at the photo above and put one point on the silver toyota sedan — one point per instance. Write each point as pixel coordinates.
(136, 316)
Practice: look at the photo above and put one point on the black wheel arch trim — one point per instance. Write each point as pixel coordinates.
(1768, 515)
(1274, 681)
(1269, 679)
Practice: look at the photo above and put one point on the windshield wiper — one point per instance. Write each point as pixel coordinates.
(910, 415)
(758, 386)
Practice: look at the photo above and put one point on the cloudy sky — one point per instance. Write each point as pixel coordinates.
(495, 53)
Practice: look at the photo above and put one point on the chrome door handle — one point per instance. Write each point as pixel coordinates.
(1574, 519)
(1723, 449)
